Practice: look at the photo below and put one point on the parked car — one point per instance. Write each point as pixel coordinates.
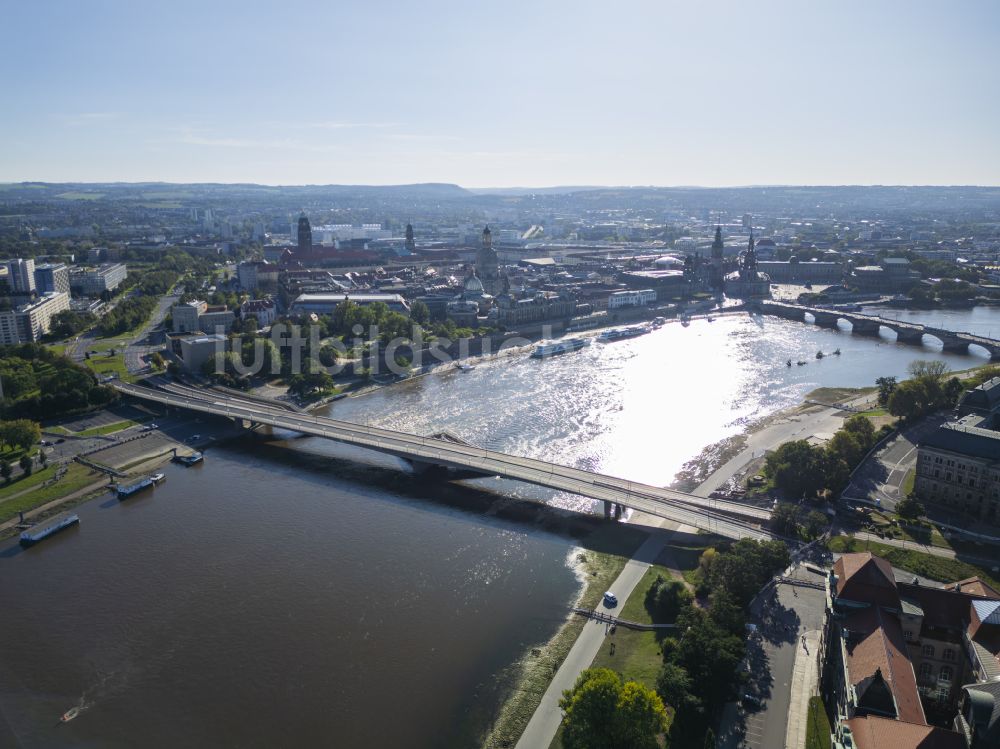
(750, 702)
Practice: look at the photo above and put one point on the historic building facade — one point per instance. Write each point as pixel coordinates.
(748, 282)
(958, 464)
(488, 266)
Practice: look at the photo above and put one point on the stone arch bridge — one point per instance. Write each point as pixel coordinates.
(871, 325)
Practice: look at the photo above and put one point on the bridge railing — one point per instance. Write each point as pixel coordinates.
(577, 481)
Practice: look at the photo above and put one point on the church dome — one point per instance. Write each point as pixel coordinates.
(474, 285)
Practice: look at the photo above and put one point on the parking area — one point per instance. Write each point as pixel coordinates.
(785, 616)
(882, 476)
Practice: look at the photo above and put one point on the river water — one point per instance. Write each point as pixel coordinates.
(292, 592)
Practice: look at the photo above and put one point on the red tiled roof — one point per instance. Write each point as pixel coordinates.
(876, 644)
(873, 732)
(975, 586)
(865, 577)
(942, 607)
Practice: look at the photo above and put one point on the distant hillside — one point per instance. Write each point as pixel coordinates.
(173, 190)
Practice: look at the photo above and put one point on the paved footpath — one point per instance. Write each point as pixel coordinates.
(544, 723)
(805, 678)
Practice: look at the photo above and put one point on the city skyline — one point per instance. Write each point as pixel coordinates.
(518, 96)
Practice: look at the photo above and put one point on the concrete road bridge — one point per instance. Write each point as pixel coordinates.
(871, 325)
(730, 519)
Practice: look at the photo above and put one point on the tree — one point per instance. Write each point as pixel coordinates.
(20, 433)
(26, 464)
(909, 508)
(784, 519)
(815, 524)
(862, 428)
(846, 446)
(796, 469)
(711, 656)
(747, 565)
(665, 599)
(674, 685)
(923, 369)
(886, 386)
(5, 471)
(420, 313)
(905, 401)
(600, 712)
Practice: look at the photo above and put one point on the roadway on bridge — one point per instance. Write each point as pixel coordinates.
(707, 514)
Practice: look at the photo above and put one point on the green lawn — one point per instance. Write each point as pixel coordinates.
(107, 428)
(105, 365)
(927, 565)
(818, 726)
(616, 544)
(874, 412)
(908, 481)
(25, 482)
(637, 654)
(76, 477)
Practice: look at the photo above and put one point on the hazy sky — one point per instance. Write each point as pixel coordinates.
(501, 93)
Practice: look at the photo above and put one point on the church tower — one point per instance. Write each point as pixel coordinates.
(488, 265)
(717, 246)
(750, 259)
(305, 236)
(411, 244)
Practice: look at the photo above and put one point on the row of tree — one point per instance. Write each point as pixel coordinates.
(128, 314)
(701, 666)
(701, 661)
(799, 469)
(70, 322)
(21, 433)
(926, 391)
(39, 383)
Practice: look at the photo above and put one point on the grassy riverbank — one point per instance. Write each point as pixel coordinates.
(43, 488)
(599, 561)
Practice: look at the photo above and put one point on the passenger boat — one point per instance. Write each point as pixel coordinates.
(46, 528)
(544, 350)
(156, 478)
(189, 460)
(69, 715)
(616, 334)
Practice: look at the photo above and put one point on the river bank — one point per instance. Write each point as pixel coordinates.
(714, 465)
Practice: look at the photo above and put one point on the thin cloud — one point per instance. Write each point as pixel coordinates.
(88, 118)
(196, 138)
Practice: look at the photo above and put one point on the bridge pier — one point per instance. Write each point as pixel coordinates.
(618, 512)
(912, 336)
(865, 328)
(825, 319)
(955, 345)
(607, 510)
